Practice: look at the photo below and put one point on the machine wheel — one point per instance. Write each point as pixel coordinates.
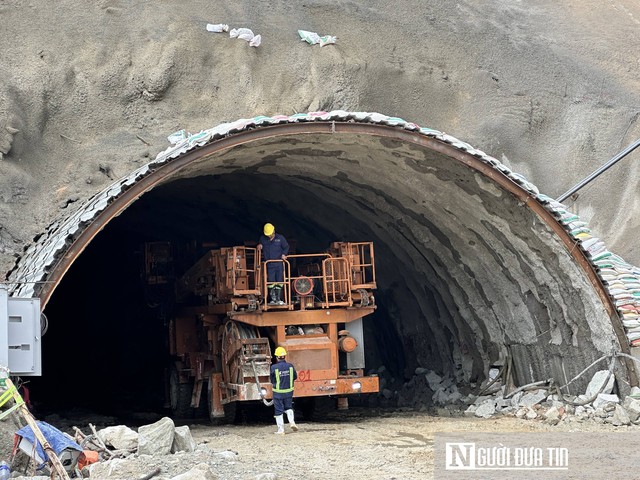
(179, 395)
(317, 408)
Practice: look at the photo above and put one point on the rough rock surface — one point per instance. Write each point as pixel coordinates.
(183, 440)
(156, 438)
(119, 437)
(550, 88)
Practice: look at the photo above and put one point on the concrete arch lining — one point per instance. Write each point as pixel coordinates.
(238, 146)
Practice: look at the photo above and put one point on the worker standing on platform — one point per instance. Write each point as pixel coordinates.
(283, 374)
(274, 247)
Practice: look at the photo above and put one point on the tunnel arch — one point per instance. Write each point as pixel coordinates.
(475, 263)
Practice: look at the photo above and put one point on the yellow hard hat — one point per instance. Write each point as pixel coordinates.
(269, 229)
(281, 352)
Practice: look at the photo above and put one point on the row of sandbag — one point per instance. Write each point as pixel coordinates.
(620, 277)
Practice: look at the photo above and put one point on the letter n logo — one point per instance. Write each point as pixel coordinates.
(460, 456)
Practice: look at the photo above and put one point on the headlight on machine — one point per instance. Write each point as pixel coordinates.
(356, 385)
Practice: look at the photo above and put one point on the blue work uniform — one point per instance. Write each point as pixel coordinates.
(273, 250)
(282, 376)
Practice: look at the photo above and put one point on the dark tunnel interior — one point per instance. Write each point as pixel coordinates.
(108, 344)
(468, 274)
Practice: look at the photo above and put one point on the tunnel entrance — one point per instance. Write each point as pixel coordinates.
(472, 268)
(109, 332)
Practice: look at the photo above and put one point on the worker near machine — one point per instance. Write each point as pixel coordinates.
(274, 247)
(283, 374)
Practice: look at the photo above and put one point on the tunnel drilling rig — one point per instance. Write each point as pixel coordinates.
(222, 328)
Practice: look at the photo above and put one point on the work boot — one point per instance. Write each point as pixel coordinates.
(278, 295)
(292, 422)
(280, 424)
(273, 296)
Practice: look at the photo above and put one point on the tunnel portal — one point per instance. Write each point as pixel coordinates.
(471, 268)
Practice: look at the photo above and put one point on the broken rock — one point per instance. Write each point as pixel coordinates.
(619, 417)
(486, 409)
(552, 416)
(202, 471)
(119, 437)
(597, 381)
(183, 441)
(227, 454)
(434, 380)
(156, 438)
(603, 399)
(632, 406)
(532, 398)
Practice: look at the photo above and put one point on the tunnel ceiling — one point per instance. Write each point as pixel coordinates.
(473, 263)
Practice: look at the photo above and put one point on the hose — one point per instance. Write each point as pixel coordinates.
(268, 403)
(557, 389)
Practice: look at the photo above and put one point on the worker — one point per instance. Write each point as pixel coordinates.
(274, 247)
(283, 374)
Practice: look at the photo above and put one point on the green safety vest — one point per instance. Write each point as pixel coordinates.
(277, 388)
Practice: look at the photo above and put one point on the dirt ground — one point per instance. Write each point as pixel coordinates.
(358, 444)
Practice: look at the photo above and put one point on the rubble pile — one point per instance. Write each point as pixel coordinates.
(427, 390)
(424, 390)
(598, 404)
(160, 451)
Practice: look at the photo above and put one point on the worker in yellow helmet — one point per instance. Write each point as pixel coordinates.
(283, 374)
(274, 247)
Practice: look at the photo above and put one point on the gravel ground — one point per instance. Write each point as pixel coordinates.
(358, 444)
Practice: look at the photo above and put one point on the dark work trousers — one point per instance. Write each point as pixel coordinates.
(275, 272)
(282, 402)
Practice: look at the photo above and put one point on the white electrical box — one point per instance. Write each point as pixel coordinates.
(20, 339)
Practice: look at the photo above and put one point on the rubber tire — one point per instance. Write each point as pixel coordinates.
(180, 396)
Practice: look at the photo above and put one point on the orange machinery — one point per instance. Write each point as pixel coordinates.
(224, 329)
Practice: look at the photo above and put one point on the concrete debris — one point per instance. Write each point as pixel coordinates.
(604, 399)
(531, 414)
(433, 379)
(119, 437)
(635, 392)
(228, 454)
(440, 397)
(267, 476)
(202, 471)
(157, 438)
(486, 409)
(530, 399)
(482, 399)
(554, 409)
(597, 381)
(620, 417)
(552, 416)
(183, 440)
(632, 407)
